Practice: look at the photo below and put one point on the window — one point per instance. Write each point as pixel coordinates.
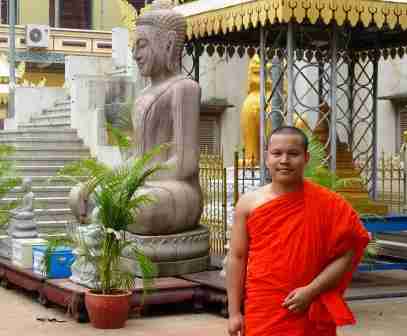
(4, 13)
(75, 14)
(209, 134)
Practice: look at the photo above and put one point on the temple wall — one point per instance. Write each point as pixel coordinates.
(226, 78)
(106, 17)
(34, 12)
(392, 81)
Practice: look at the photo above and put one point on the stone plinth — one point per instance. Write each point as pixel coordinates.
(23, 226)
(174, 254)
(5, 247)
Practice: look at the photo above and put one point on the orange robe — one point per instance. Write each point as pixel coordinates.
(291, 240)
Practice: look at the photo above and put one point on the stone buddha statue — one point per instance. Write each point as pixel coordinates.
(167, 112)
(22, 222)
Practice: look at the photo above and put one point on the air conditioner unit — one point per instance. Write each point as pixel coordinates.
(37, 36)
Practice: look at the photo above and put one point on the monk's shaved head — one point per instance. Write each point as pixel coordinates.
(290, 130)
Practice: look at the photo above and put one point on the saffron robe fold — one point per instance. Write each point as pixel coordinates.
(292, 239)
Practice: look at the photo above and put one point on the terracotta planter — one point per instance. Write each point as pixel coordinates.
(108, 311)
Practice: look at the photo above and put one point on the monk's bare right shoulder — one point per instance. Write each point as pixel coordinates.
(248, 202)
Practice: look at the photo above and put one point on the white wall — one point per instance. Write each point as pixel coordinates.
(86, 65)
(224, 77)
(29, 102)
(87, 78)
(392, 81)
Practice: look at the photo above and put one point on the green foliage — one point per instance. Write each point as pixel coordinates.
(316, 169)
(8, 180)
(115, 191)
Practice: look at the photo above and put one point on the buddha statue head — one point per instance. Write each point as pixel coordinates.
(159, 40)
(254, 74)
(26, 185)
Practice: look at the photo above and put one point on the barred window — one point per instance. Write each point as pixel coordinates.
(209, 134)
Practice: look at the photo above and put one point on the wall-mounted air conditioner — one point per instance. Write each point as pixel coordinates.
(37, 36)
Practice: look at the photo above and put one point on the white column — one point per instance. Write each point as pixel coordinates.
(57, 12)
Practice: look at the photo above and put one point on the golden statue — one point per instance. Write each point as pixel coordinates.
(250, 113)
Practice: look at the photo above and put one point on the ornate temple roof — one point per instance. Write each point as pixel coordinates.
(367, 26)
(211, 17)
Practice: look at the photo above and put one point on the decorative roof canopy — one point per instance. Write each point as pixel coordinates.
(209, 17)
(367, 27)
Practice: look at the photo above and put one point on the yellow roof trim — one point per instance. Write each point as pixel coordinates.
(256, 12)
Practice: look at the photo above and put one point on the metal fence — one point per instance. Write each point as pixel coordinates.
(391, 183)
(212, 176)
(221, 188)
(246, 175)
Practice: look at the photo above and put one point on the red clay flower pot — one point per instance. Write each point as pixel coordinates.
(108, 311)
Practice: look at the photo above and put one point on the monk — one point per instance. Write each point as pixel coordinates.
(294, 246)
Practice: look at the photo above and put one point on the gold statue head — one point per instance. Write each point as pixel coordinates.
(159, 39)
(254, 74)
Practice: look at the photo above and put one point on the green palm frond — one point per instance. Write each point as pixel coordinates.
(115, 193)
(121, 139)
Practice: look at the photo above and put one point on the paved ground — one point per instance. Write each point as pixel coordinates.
(18, 313)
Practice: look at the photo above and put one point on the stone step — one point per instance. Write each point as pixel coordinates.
(64, 101)
(54, 116)
(42, 142)
(44, 161)
(49, 133)
(46, 227)
(43, 191)
(48, 180)
(66, 109)
(42, 202)
(54, 214)
(52, 152)
(45, 126)
(51, 119)
(46, 170)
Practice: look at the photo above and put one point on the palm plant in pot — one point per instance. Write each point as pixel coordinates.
(117, 202)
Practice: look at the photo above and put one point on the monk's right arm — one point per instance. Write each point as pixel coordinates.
(237, 260)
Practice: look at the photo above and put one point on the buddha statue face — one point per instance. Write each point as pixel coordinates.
(26, 185)
(153, 49)
(159, 39)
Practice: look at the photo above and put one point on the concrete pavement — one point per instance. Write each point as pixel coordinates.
(19, 312)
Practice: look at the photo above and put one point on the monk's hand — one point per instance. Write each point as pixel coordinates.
(298, 300)
(236, 325)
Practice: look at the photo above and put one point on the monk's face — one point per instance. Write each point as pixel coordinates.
(148, 51)
(286, 158)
